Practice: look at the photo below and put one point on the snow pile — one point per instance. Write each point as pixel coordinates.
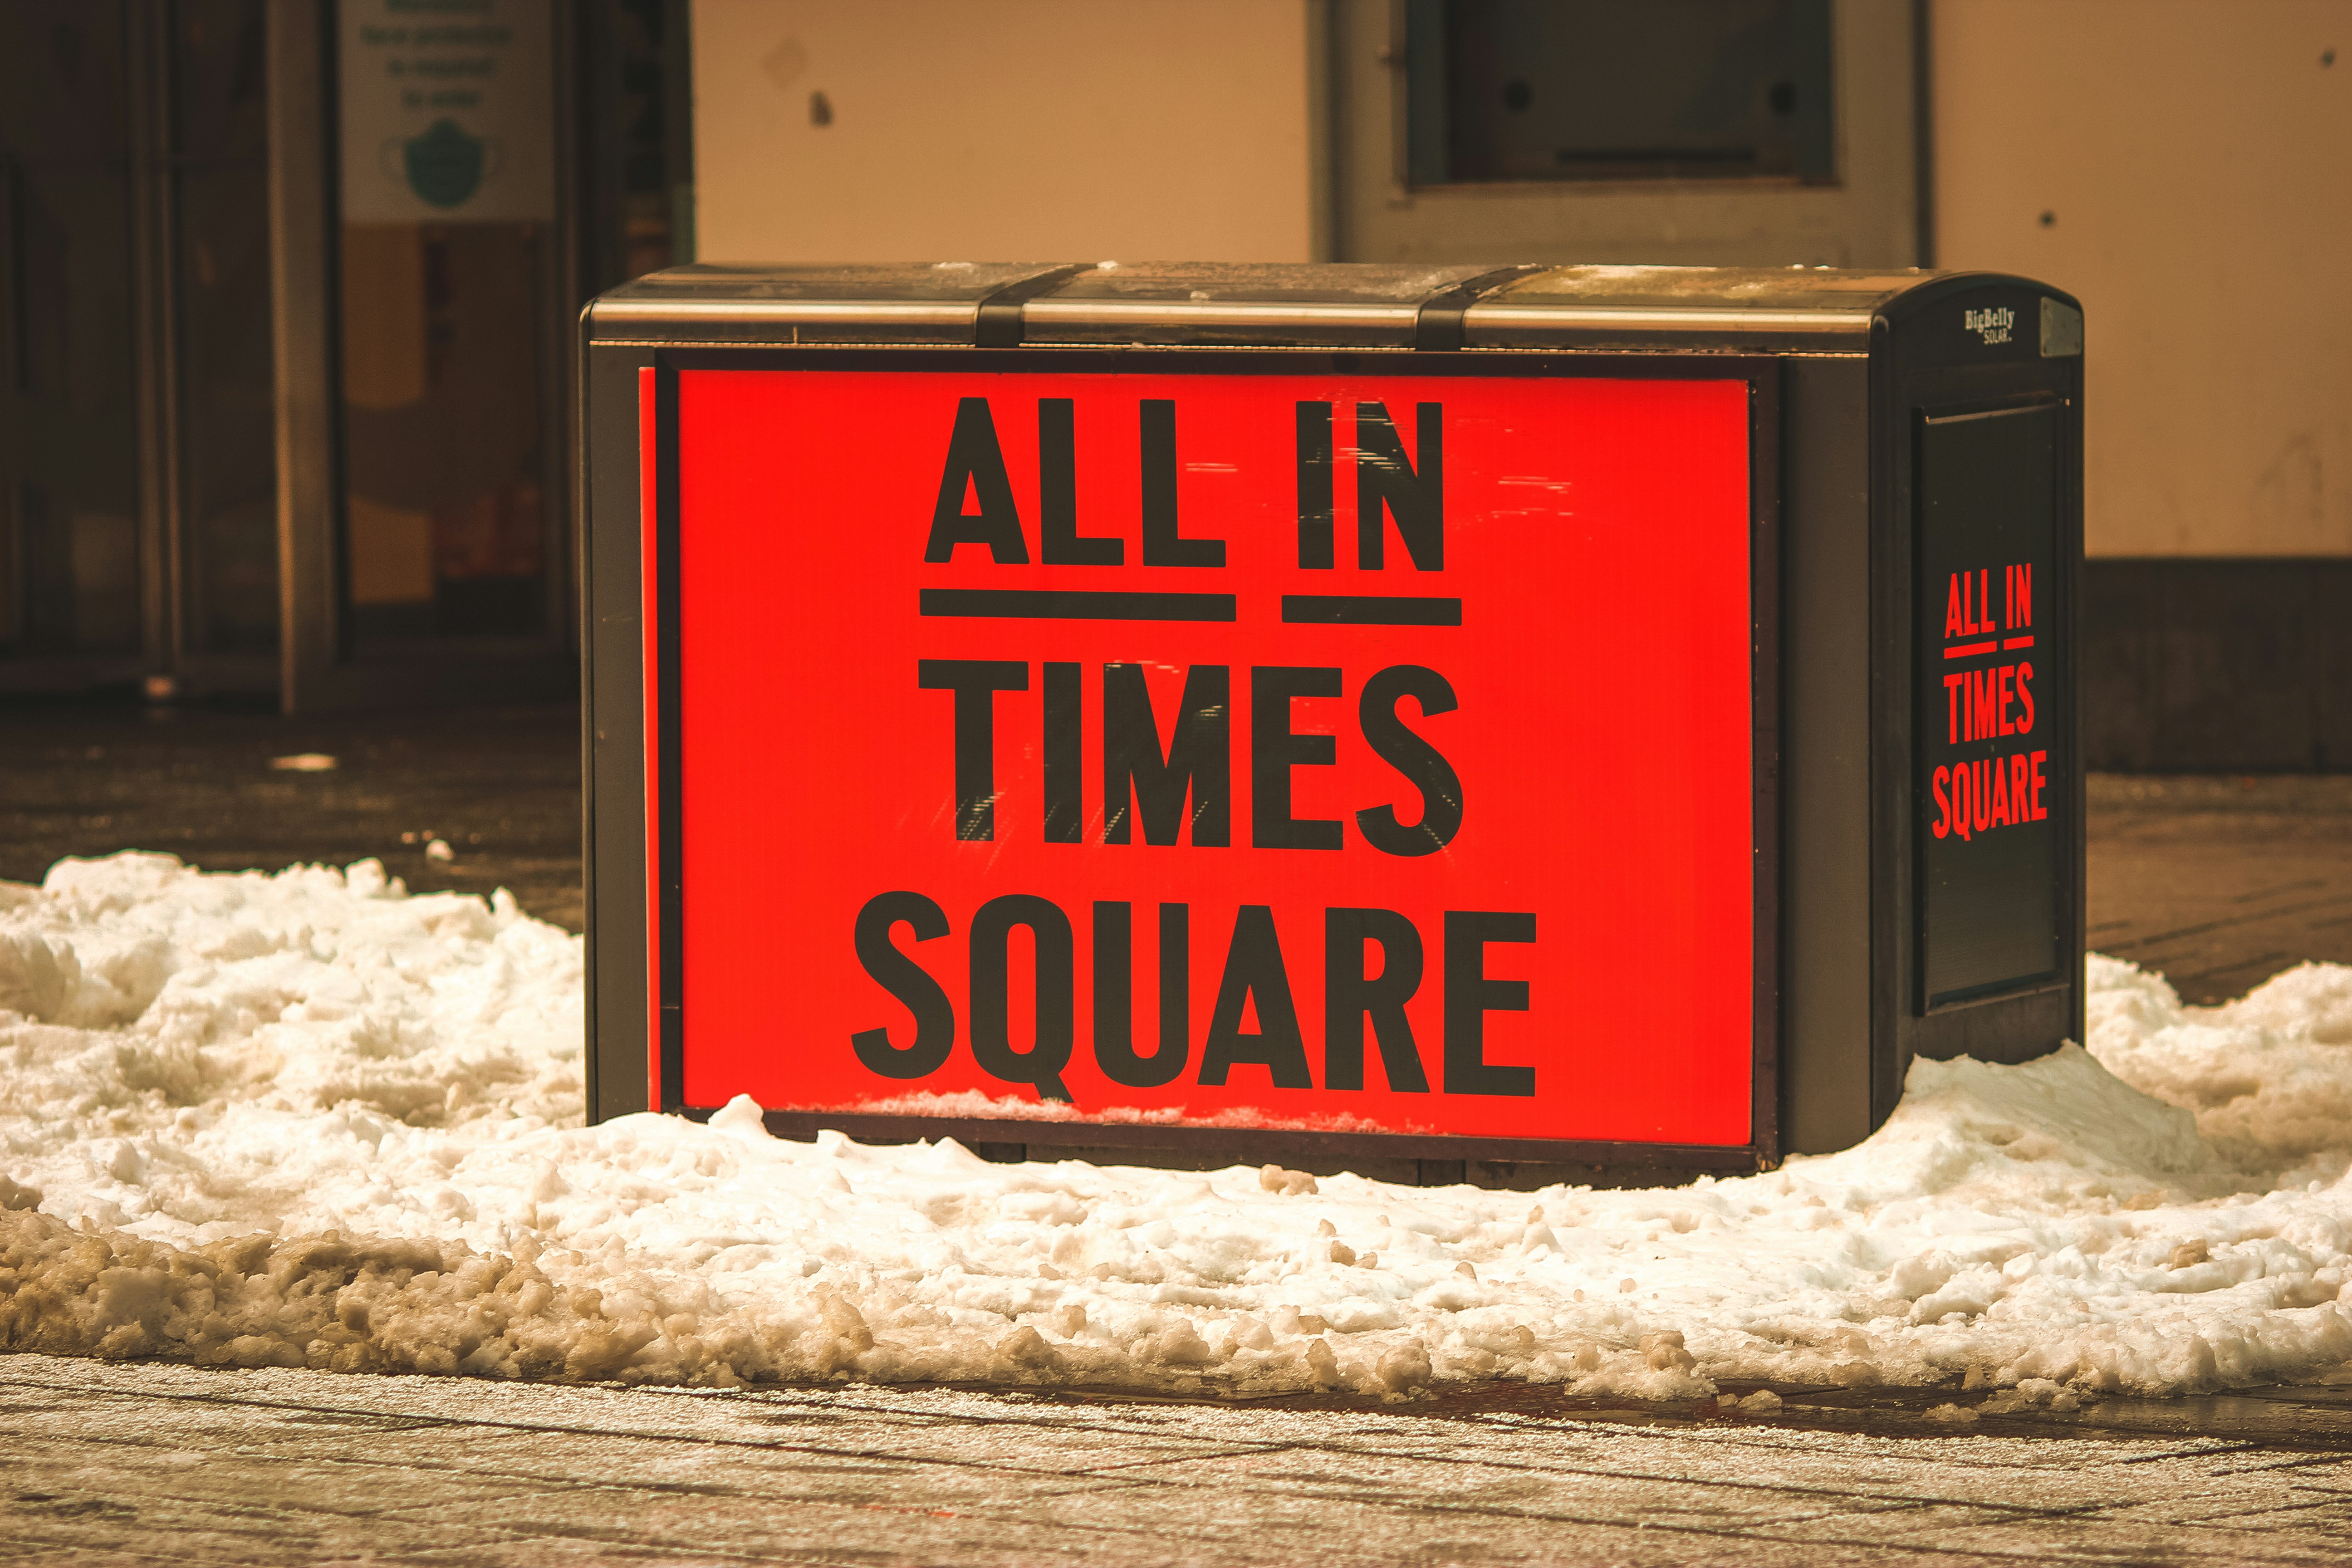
(2269, 1076)
(308, 1120)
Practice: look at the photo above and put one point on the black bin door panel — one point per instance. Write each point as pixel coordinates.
(1992, 701)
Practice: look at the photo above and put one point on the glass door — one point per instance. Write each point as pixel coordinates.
(138, 468)
(451, 270)
(70, 568)
(287, 291)
(223, 425)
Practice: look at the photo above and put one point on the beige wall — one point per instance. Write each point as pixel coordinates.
(1078, 129)
(2196, 159)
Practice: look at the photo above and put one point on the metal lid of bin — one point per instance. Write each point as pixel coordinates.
(1300, 305)
(1307, 304)
(914, 301)
(1564, 305)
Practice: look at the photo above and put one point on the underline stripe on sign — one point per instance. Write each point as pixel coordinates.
(1970, 650)
(2016, 642)
(1074, 604)
(1369, 610)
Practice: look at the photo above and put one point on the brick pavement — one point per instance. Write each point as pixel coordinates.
(2221, 882)
(108, 1464)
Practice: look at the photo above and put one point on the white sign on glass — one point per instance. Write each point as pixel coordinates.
(448, 111)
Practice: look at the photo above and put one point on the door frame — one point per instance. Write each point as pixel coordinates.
(1868, 216)
(318, 666)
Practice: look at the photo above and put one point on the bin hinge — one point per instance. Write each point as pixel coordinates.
(999, 324)
(1438, 327)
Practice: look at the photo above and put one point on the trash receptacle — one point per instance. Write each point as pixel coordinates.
(1500, 724)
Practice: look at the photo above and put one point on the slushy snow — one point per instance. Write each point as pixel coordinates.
(309, 1120)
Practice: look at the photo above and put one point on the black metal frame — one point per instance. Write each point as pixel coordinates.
(1761, 372)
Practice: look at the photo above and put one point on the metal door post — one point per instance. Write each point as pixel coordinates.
(302, 300)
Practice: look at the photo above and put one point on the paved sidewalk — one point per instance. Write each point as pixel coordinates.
(116, 1464)
(499, 786)
(2220, 882)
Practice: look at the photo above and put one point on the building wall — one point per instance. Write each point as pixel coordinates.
(2184, 166)
(1049, 129)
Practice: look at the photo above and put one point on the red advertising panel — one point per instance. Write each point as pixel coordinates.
(1300, 747)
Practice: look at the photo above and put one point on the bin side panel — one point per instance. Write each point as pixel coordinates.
(614, 716)
(1825, 1061)
(1979, 934)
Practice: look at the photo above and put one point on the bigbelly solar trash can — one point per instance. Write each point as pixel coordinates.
(1509, 724)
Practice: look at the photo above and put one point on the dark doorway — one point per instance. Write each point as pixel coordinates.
(193, 396)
